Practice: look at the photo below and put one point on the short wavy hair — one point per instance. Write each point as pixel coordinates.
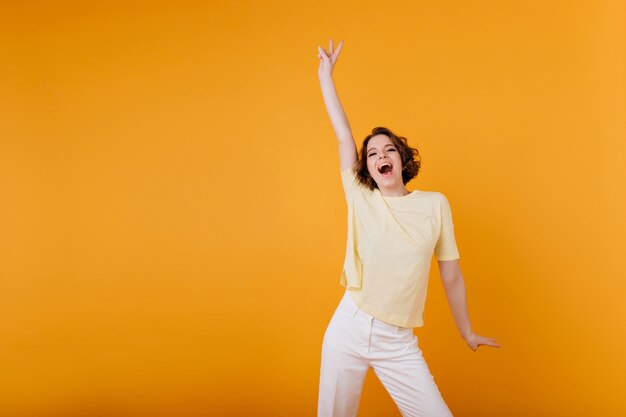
(411, 159)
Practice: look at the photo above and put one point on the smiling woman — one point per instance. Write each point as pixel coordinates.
(392, 236)
(380, 147)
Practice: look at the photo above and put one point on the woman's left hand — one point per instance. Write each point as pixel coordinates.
(475, 340)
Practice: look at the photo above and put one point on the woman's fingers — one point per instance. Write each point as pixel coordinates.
(338, 48)
(322, 53)
(489, 341)
(332, 53)
(492, 342)
(331, 49)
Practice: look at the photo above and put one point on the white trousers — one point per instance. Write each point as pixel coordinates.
(353, 342)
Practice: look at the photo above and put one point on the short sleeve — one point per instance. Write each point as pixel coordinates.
(446, 249)
(348, 180)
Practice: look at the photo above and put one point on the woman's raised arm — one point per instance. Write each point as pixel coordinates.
(347, 146)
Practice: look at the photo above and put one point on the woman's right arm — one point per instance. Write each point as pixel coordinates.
(347, 146)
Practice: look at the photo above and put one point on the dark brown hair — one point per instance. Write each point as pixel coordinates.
(411, 160)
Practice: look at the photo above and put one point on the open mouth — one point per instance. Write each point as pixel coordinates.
(385, 169)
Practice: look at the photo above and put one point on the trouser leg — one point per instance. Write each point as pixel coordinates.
(404, 373)
(344, 363)
(341, 384)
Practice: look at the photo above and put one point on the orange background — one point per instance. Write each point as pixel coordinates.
(172, 223)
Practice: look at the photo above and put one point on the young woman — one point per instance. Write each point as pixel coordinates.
(392, 235)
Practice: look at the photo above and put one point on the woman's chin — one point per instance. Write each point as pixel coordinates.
(386, 181)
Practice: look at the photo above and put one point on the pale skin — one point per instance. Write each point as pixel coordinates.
(380, 149)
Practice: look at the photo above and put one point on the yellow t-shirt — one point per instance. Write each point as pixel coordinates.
(389, 248)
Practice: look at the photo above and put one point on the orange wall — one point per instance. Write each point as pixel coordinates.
(172, 224)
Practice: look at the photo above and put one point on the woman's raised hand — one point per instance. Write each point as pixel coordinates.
(328, 59)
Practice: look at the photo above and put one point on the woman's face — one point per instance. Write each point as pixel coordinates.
(384, 162)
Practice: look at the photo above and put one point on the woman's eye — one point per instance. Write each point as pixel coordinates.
(390, 149)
